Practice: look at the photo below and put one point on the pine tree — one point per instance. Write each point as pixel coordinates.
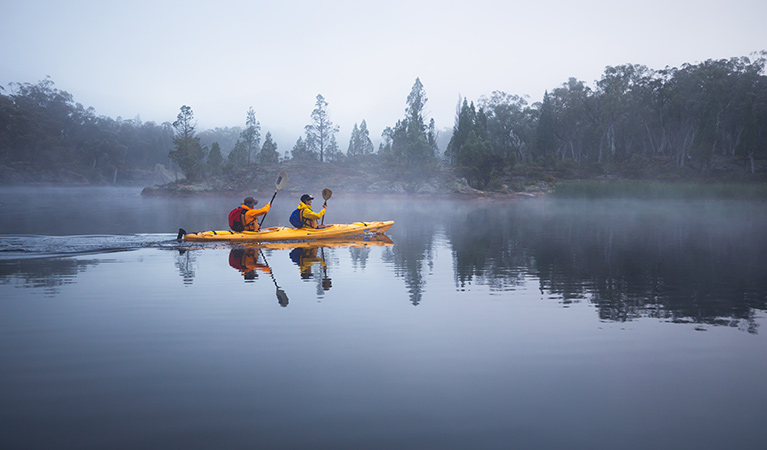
(333, 153)
(215, 160)
(238, 155)
(301, 151)
(355, 143)
(269, 154)
(412, 152)
(364, 136)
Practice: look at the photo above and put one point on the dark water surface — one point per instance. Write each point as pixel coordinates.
(482, 324)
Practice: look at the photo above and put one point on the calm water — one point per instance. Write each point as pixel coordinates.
(482, 324)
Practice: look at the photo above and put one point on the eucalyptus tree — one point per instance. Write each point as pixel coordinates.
(320, 131)
(509, 125)
(575, 121)
(251, 136)
(545, 139)
(188, 153)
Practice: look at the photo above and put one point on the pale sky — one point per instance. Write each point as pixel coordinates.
(148, 58)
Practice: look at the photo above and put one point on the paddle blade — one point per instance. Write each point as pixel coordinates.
(326, 194)
(281, 180)
(282, 298)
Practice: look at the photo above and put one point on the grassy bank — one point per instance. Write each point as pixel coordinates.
(659, 190)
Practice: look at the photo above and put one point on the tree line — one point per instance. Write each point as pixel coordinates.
(688, 114)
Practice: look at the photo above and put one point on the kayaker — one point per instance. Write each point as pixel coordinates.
(303, 216)
(248, 215)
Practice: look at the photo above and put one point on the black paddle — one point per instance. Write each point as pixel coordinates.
(282, 297)
(279, 184)
(326, 194)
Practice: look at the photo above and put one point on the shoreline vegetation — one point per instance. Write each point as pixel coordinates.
(700, 128)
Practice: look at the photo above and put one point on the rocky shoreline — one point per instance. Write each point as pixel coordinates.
(313, 177)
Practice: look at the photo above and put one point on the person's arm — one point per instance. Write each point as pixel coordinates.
(251, 214)
(309, 214)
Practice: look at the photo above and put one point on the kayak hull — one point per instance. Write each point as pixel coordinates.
(275, 234)
(360, 241)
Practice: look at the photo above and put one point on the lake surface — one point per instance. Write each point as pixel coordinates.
(534, 323)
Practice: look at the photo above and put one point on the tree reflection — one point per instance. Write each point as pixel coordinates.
(487, 249)
(415, 235)
(48, 274)
(631, 260)
(186, 264)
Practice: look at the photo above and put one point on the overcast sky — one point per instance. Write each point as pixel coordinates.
(148, 58)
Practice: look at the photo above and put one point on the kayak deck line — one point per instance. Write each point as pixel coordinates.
(291, 234)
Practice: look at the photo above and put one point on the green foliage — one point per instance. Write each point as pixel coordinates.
(188, 153)
(238, 157)
(269, 154)
(44, 129)
(544, 134)
(470, 151)
(333, 153)
(215, 160)
(301, 151)
(359, 142)
(410, 147)
(510, 126)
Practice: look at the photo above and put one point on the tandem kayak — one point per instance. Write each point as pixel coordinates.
(291, 234)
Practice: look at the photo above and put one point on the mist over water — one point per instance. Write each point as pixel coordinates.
(482, 322)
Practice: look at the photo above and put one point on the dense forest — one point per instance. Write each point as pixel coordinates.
(632, 121)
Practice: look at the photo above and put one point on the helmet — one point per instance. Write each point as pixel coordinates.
(250, 201)
(306, 197)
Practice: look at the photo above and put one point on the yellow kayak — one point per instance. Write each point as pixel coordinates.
(291, 234)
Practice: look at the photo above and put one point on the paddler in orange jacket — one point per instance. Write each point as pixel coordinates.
(309, 217)
(250, 216)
